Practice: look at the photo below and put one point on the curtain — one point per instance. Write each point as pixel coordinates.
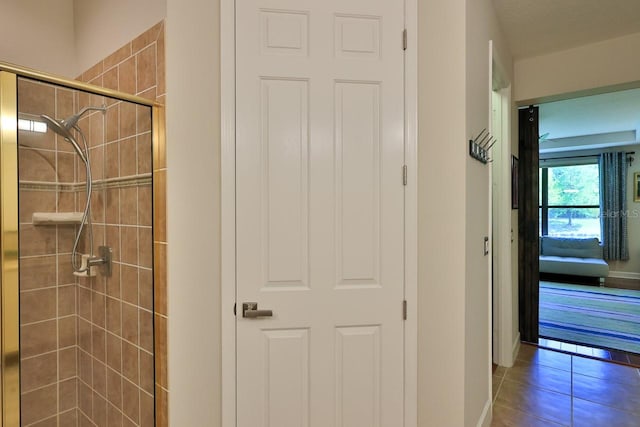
(613, 205)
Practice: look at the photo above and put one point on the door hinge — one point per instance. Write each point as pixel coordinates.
(404, 39)
(404, 310)
(234, 309)
(404, 175)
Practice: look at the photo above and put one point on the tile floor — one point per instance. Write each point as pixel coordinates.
(550, 388)
(609, 354)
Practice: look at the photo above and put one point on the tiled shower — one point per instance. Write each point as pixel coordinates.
(87, 343)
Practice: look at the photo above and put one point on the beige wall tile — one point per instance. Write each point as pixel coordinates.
(112, 207)
(65, 270)
(66, 300)
(145, 244)
(131, 400)
(39, 404)
(46, 141)
(99, 377)
(146, 68)
(38, 338)
(113, 282)
(37, 272)
(66, 171)
(129, 205)
(130, 323)
(144, 153)
(146, 372)
(114, 352)
(114, 316)
(118, 56)
(68, 394)
(38, 305)
(128, 161)
(39, 371)
(35, 201)
(129, 245)
(84, 335)
(99, 342)
(67, 331)
(145, 287)
(98, 309)
(130, 365)
(110, 80)
(114, 388)
(160, 64)
(129, 284)
(96, 156)
(36, 98)
(37, 240)
(85, 400)
(37, 165)
(112, 160)
(146, 410)
(69, 418)
(146, 330)
(93, 72)
(67, 360)
(127, 76)
(114, 416)
(113, 123)
(127, 120)
(145, 205)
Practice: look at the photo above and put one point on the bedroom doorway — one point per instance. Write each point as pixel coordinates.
(575, 314)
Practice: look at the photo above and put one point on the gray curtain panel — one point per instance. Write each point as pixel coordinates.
(613, 205)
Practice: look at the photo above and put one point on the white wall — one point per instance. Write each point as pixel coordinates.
(482, 26)
(38, 34)
(193, 201)
(612, 62)
(101, 26)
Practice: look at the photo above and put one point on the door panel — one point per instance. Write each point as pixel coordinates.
(320, 206)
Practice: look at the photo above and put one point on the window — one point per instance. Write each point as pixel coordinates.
(570, 201)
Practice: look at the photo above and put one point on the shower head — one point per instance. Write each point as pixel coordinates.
(63, 127)
(58, 127)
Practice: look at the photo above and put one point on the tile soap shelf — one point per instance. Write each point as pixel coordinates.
(56, 218)
(480, 146)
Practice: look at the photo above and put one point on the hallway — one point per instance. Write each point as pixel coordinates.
(550, 388)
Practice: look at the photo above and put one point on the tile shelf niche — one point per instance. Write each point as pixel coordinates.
(57, 218)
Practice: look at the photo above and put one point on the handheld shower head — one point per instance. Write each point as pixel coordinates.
(58, 127)
(63, 127)
(72, 121)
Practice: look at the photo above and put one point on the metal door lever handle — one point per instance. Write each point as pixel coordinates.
(250, 310)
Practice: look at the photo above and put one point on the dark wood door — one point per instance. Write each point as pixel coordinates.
(528, 264)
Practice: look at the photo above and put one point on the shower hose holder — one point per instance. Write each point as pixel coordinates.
(92, 264)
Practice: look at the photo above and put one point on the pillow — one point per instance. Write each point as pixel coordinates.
(570, 247)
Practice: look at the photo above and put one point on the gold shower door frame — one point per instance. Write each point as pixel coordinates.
(9, 267)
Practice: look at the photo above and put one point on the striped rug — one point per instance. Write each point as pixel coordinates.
(593, 316)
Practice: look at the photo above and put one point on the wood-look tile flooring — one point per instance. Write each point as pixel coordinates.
(551, 388)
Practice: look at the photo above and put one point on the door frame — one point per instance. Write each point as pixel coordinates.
(228, 213)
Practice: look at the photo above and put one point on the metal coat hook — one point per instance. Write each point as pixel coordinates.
(479, 146)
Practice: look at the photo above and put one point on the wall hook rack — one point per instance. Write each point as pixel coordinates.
(479, 146)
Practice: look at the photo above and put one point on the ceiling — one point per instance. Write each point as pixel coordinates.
(535, 27)
(600, 121)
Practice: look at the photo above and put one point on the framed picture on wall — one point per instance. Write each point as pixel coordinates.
(636, 187)
(514, 182)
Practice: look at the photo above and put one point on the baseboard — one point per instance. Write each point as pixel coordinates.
(485, 417)
(515, 348)
(624, 275)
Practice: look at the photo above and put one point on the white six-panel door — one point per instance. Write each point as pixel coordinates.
(319, 212)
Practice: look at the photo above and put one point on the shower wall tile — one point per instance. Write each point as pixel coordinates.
(135, 352)
(38, 272)
(42, 165)
(36, 98)
(48, 311)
